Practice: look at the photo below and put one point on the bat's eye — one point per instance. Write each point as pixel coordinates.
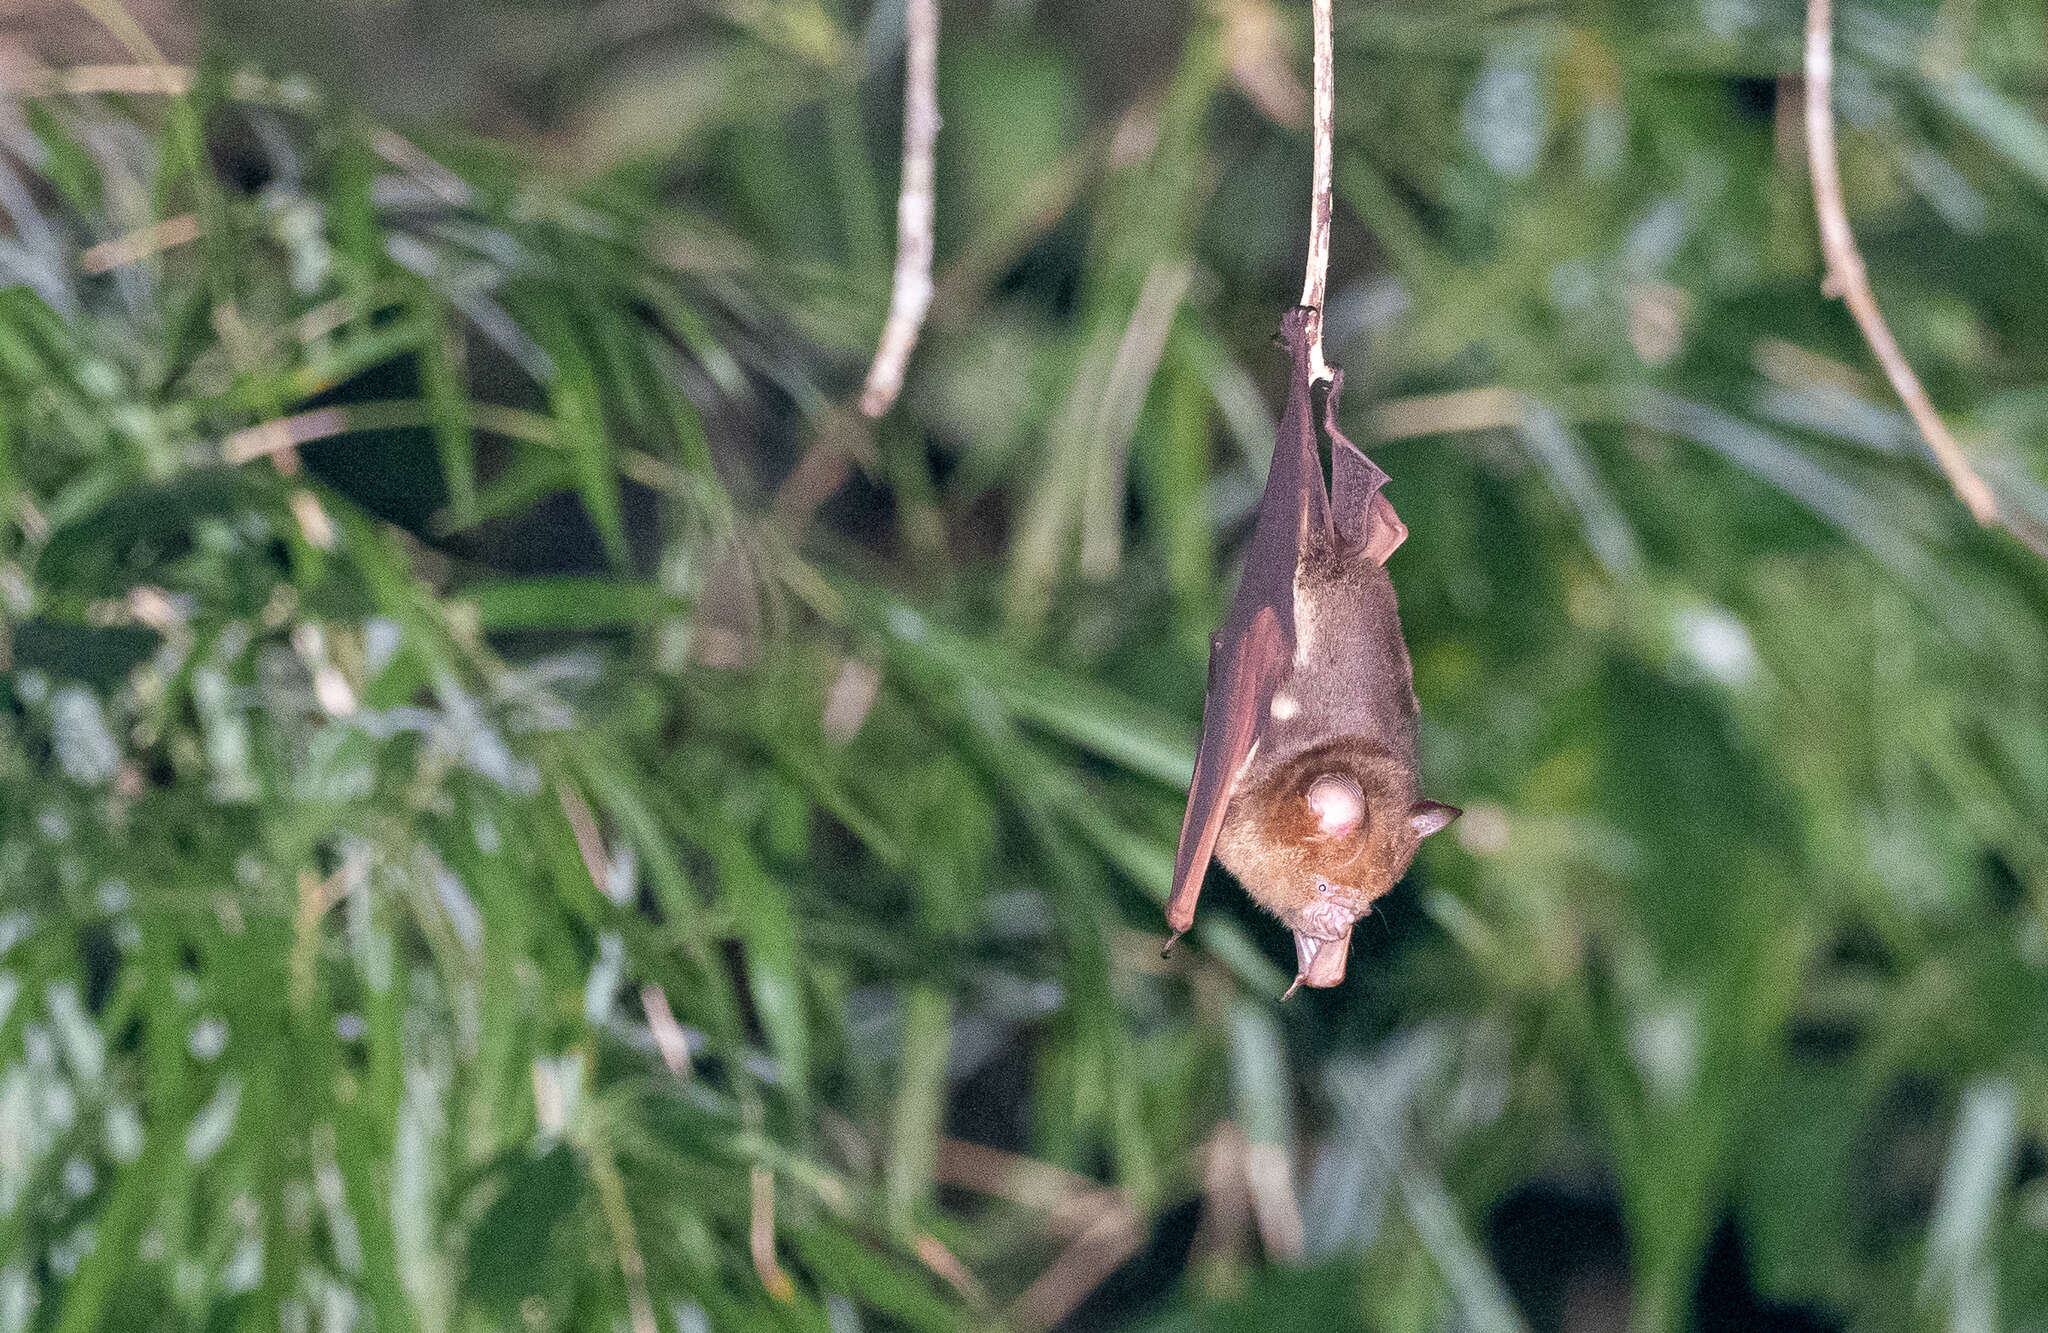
(1323, 887)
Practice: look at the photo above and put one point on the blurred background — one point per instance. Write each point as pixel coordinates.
(519, 808)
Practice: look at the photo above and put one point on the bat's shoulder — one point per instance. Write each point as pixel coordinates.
(1334, 589)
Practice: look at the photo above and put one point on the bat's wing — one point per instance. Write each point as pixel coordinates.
(1365, 519)
(1243, 677)
(1254, 654)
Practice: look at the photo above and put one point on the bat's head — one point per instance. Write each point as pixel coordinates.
(1323, 835)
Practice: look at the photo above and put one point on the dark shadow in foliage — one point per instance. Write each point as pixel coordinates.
(1558, 1250)
(1149, 1277)
(99, 656)
(1319, 1298)
(1725, 1301)
(516, 1251)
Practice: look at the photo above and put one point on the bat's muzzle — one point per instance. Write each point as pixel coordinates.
(1321, 962)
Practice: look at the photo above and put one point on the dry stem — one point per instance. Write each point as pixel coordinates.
(1316, 284)
(1084, 1265)
(1847, 279)
(761, 1235)
(910, 294)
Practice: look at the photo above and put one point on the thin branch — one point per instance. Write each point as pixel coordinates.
(1085, 1264)
(132, 80)
(109, 14)
(407, 156)
(910, 294)
(1103, 1229)
(845, 440)
(942, 1261)
(669, 1037)
(1072, 1203)
(1847, 279)
(761, 1235)
(1316, 284)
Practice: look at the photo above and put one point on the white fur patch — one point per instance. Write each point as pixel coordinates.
(1338, 804)
(1304, 625)
(1285, 706)
(1249, 755)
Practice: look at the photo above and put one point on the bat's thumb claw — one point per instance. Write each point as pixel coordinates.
(1291, 989)
(1171, 940)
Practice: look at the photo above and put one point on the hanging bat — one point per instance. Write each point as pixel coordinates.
(1305, 784)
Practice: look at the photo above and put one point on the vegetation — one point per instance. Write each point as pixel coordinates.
(518, 808)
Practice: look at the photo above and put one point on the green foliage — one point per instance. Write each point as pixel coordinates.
(469, 859)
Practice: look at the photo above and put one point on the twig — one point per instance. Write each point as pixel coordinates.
(1103, 1229)
(281, 434)
(1072, 1203)
(1847, 279)
(668, 1034)
(1316, 284)
(407, 156)
(36, 81)
(1083, 1266)
(589, 841)
(910, 294)
(761, 1235)
(845, 440)
(935, 1256)
(122, 26)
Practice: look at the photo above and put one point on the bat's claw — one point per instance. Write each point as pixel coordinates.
(1171, 940)
(1291, 989)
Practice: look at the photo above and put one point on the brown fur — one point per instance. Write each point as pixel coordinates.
(1273, 843)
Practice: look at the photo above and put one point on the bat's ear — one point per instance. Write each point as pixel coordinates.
(1365, 518)
(1384, 530)
(1427, 817)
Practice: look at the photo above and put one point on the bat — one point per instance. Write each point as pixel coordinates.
(1305, 783)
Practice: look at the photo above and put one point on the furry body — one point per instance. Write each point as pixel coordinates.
(1305, 785)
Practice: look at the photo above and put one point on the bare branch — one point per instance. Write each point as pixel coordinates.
(1847, 279)
(1087, 1261)
(910, 294)
(1072, 1203)
(1317, 281)
(947, 1265)
(668, 1034)
(31, 80)
(761, 1235)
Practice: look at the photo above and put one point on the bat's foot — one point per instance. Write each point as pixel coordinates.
(1171, 940)
(1320, 961)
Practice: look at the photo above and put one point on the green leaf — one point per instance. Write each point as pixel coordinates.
(564, 603)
